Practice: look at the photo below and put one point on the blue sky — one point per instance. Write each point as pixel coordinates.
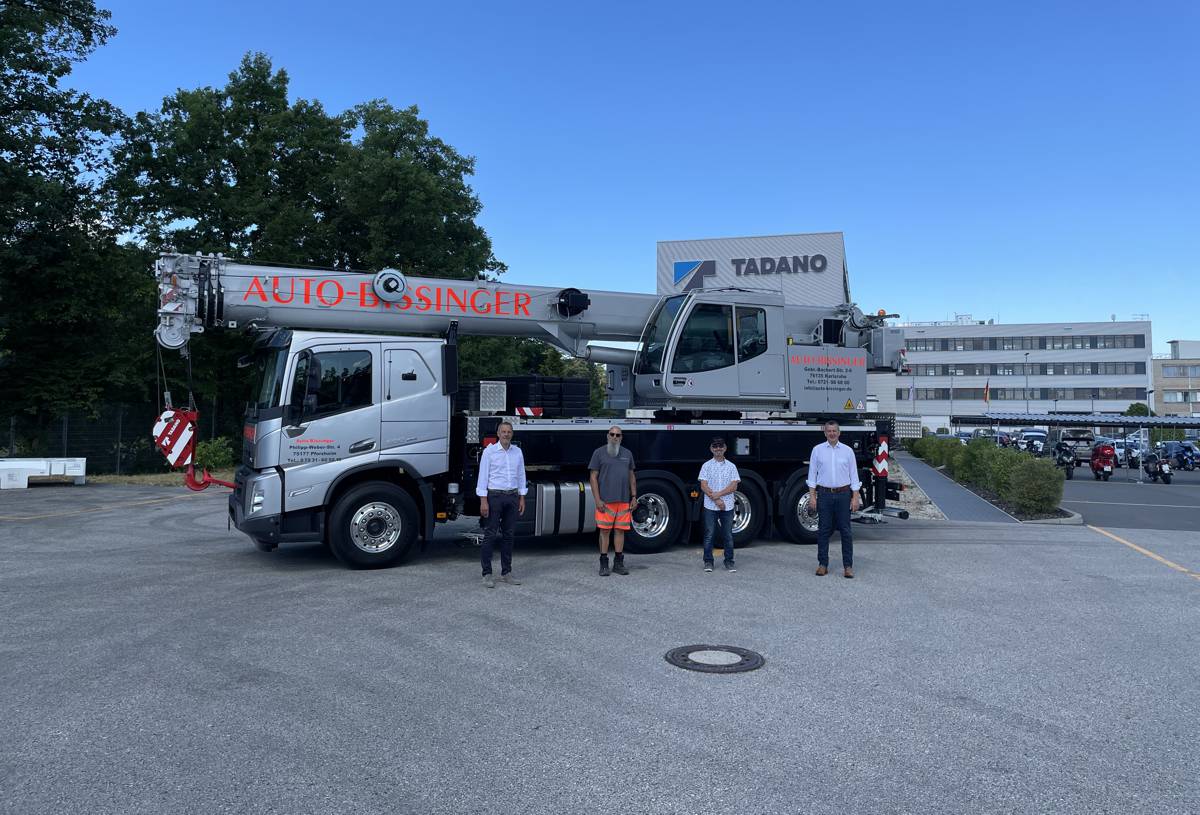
(1022, 162)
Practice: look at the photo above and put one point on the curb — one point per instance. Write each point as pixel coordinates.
(1075, 520)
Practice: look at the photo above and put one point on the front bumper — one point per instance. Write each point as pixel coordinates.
(255, 507)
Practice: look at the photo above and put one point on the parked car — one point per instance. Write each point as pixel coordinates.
(1033, 441)
(1080, 440)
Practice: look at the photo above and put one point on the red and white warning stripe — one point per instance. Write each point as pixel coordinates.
(881, 458)
(529, 411)
(173, 437)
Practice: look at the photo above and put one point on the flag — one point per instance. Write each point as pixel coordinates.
(987, 392)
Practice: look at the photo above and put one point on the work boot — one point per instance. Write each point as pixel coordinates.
(489, 582)
(822, 571)
(604, 572)
(619, 565)
(509, 579)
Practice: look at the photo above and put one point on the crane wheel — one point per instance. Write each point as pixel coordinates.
(799, 525)
(373, 525)
(749, 513)
(664, 517)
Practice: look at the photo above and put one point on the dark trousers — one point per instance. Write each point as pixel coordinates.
(501, 521)
(724, 519)
(833, 511)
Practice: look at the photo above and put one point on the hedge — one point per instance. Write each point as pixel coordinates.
(1034, 486)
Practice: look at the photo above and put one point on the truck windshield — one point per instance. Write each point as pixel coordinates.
(654, 338)
(270, 364)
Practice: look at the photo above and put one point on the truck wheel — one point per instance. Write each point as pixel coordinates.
(373, 525)
(664, 519)
(798, 524)
(749, 513)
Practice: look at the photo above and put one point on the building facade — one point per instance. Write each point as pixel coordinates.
(966, 368)
(1177, 380)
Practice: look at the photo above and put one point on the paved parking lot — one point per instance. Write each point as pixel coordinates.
(1122, 503)
(155, 662)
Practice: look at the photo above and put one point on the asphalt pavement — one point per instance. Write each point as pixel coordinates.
(1122, 503)
(153, 661)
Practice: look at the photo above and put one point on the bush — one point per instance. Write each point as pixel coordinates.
(1035, 486)
(920, 447)
(971, 464)
(215, 454)
(1003, 464)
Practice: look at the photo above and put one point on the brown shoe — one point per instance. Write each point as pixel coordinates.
(822, 571)
(848, 572)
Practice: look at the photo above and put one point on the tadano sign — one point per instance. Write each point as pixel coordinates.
(805, 269)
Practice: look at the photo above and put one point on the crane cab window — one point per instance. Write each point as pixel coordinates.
(654, 339)
(706, 342)
(332, 382)
(751, 332)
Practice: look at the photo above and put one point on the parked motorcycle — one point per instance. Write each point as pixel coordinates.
(1064, 457)
(1104, 459)
(1157, 468)
(1186, 459)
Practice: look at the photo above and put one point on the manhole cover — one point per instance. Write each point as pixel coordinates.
(715, 659)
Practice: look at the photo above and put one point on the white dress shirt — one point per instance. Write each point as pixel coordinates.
(501, 469)
(719, 475)
(830, 466)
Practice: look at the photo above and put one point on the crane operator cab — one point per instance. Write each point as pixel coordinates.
(740, 349)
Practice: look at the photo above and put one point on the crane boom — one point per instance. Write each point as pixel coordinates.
(196, 292)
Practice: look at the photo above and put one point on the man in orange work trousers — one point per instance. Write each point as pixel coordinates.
(614, 490)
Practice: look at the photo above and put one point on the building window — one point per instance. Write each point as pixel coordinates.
(1174, 397)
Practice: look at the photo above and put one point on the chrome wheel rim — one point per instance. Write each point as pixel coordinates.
(743, 512)
(375, 527)
(658, 516)
(807, 521)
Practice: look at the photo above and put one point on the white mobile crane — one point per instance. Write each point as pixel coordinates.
(352, 437)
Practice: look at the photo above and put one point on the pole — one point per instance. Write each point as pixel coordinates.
(64, 435)
(950, 421)
(12, 436)
(1026, 382)
(120, 413)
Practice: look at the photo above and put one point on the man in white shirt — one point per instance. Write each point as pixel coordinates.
(501, 489)
(718, 481)
(833, 486)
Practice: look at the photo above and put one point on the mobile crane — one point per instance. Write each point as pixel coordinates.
(351, 438)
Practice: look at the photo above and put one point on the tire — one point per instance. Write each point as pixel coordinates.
(749, 513)
(798, 526)
(1095, 475)
(1166, 478)
(1070, 471)
(373, 525)
(1105, 476)
(666, 519)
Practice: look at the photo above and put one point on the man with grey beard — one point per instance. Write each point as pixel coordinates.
(614, 490)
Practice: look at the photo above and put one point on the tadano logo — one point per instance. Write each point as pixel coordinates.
(698, 269)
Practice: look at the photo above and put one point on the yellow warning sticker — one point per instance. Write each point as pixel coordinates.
(849, 405)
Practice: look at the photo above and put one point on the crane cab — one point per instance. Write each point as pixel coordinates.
(714, 347)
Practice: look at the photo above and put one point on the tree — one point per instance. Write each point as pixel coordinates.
(1137, 409)
(242, 171)
(67, 288)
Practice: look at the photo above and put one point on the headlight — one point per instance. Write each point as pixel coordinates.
(257, 499)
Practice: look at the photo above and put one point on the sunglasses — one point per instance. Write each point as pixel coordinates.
(717, 446)
(615, 435)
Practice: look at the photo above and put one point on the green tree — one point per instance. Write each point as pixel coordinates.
(243, 171)
(70, 295)
(1137, 409)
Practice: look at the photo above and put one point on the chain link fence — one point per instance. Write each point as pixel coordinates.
(114, 438)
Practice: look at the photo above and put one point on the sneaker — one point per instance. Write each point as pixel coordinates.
(604, 571)
(509, 579)
(708, 567)
(729, 567)
(489, 582)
